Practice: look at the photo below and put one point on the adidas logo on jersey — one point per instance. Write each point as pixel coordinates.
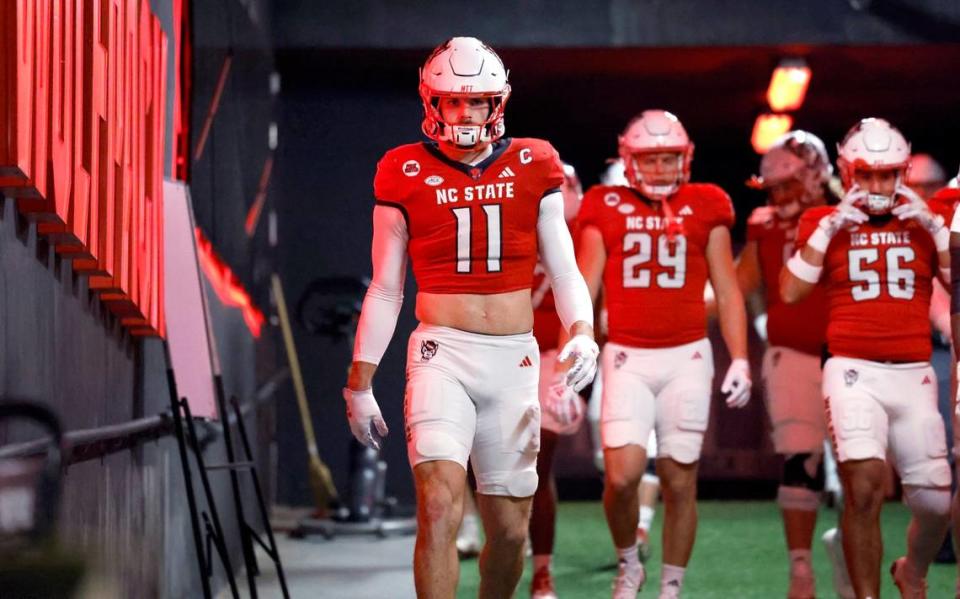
(685, 211)
(526, 362)
(506, 173)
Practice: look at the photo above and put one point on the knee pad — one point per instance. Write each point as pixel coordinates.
(933, 501)
(522, 484)
(804, 471)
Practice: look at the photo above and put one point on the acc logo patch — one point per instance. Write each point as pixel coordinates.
(611, 199)
(433, 180)
(625, 208)
(428, 349)
(411, 168)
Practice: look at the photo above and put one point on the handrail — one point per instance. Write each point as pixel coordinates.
(92, 443)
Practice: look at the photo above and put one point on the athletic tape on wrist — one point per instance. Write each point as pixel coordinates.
(819, 240)
(803, 270)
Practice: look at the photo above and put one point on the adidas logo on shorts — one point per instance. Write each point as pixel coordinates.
(526, 362)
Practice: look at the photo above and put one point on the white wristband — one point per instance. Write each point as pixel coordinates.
(945, 273)
(803, 270)
(819, 240)
(941, 239)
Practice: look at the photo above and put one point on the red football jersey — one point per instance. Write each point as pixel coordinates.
(800, 326)
(473, 229)
(878, 278)
(654, 287)
(944, 203)
(546, 323)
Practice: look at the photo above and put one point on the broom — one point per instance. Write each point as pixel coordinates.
(321, 483)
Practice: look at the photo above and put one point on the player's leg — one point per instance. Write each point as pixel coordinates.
(860, 523)
(683, 411)
(919, 448)
(440, 486)
(543, 518)
(503, 386)
(792, 383)
(441, 424)
(626, 421)
(505, 521)
(859, 430)
(648, 496)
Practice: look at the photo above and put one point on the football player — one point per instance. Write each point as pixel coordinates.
(653, 244)
(877, 253)
(473, 211)
(794, 173)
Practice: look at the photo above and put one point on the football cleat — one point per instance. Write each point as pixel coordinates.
(909, 589)
(629, 581)
(643, 545)
(469, 543)
(541, 587)
(841, 580)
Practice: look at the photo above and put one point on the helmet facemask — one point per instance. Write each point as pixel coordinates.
(655, 131)
(874, 145)
(466, 68)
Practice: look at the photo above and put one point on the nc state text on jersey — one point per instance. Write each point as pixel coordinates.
(648, 223)
(489, 191)
(880, 238)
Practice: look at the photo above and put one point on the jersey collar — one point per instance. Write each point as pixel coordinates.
(474, 171)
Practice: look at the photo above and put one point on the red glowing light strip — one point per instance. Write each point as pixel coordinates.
(253, 215)
(226, 285)
(214, 106)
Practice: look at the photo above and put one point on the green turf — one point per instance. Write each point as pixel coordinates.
(739, 554)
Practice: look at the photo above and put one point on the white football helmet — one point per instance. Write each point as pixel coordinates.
(798, 155)
(572, 192)
(655, 131)
(873, 144)
(463, 67)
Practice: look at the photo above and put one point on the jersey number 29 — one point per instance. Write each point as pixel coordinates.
(674, 257)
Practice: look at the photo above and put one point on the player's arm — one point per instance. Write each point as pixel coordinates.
(733, 316)
(955, 280)
(730, 305)
(378, 320)
(800, 274)
(748, 269)
(570, 292)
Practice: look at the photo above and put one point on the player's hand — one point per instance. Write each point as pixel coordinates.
(915, 208)
(563, 403)
(366, 421)
(737, 384)
(846, 213)
(584, 352)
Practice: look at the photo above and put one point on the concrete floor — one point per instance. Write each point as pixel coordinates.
(347, 567)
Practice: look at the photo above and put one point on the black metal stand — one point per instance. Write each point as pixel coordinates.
(271, 546)
(186, 436)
